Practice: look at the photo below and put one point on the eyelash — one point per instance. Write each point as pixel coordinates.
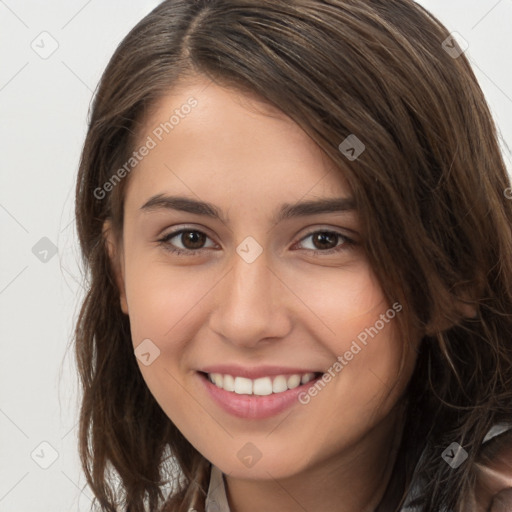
(347, 243)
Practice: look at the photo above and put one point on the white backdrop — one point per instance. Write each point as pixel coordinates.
(52, 56)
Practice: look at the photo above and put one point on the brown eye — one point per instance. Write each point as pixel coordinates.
(192, 239)
(187, 241)
(325, 240)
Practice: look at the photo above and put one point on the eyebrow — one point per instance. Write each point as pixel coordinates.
(286, 211)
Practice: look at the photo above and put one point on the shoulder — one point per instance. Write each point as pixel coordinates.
(493, 484)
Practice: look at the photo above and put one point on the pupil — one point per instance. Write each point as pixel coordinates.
(330, 238)
(193, 238)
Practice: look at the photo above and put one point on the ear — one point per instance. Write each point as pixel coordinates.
(116, 257)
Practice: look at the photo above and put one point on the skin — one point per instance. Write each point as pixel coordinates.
(288, 307)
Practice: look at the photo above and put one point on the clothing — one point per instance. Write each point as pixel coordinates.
(216, 500)
(500, 479)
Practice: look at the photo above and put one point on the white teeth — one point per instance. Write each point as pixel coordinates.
(305, 378)
(229, 383)
(262, 386)
(217, 379)
(279, 384)
(293, 381)
(243, 386)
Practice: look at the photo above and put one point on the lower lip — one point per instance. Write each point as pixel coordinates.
(255, 407)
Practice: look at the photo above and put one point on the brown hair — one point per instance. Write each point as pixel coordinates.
(429, 190)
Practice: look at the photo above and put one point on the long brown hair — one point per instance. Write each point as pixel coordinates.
(430, 193)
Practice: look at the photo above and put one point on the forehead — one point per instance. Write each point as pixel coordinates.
(208, 140)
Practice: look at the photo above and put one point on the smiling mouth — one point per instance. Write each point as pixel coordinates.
(263, 386)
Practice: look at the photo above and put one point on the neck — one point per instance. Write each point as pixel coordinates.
(354, 480)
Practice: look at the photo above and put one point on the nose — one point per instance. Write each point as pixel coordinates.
(250, 304)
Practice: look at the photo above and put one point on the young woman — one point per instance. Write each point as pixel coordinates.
(297, 226)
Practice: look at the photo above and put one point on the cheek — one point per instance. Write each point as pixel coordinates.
(342, 302)
(354, 322)
(163, 306)
(163, 301)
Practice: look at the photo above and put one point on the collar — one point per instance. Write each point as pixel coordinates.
(216, 500)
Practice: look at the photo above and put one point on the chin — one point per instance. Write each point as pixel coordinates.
(275, 466)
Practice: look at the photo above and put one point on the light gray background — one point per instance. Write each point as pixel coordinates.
(44, 105)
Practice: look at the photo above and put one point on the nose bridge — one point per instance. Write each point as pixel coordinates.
(248, 309)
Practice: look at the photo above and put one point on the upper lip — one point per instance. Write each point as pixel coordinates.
(255, 372)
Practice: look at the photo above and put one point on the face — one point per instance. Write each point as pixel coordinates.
(254, 291)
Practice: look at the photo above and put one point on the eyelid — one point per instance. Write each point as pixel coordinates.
(164, 239)
(347, 241)
(351, 234)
